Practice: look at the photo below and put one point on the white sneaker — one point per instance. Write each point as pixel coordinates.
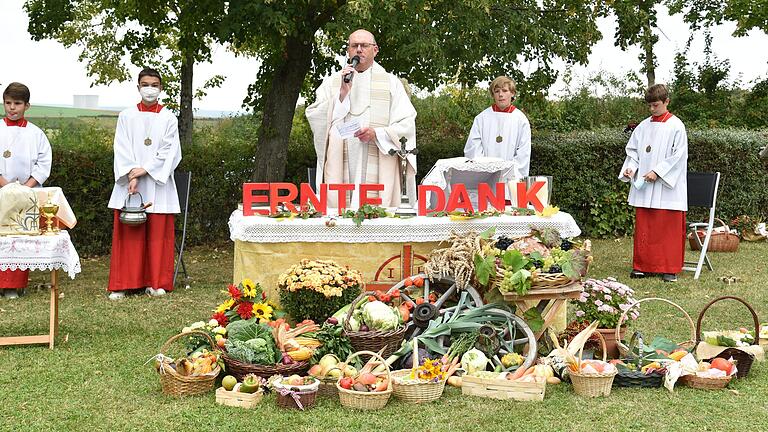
(11, 294)
(155, 292)
(116, 295)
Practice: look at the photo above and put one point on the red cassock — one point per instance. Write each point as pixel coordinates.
(142, 255)
(659, 240)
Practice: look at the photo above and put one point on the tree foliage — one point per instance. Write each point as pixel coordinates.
(747, 14)
(169, 35)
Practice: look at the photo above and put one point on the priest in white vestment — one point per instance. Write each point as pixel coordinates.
(501, 130)
(656, 166)
(379, 102)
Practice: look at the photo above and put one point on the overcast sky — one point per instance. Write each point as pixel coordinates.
(54, 74)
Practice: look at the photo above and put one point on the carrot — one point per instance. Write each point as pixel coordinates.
(518, 373)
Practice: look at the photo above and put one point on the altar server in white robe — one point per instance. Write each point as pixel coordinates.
(379, 102)
(501, 130)
(656, 166)
(26, 158)
(147, 151)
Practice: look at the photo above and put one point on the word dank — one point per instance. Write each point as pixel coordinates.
(256, 195)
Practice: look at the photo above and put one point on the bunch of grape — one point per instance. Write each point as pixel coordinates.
(537, 263)
(566, 245)
(503, 243)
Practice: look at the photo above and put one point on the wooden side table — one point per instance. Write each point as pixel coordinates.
(53, 328)
(554, 298)
(44, 253)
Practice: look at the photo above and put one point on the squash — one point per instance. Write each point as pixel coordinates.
(544, 371)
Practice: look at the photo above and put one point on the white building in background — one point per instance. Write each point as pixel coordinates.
(85, 101)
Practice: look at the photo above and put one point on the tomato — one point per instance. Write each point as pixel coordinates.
(420, 300)
(418, 281)
(432, 297)
(386, 298)
(395, 292)
(408, 282)
(405, 312)
(371, 298)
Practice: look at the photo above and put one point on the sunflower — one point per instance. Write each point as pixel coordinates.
(262, 311)
(249, 290)
(225, 306)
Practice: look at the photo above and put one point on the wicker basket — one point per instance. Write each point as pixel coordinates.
(705, 383)
(175, 384)
(743, 359)
(722, 240)
(365, 400)
(290, 397)
(592, 385)
(239, 369)
(541, 281)
(327, 388)
(637, 378)
(373, 340)
(416, 392)
(625, 350)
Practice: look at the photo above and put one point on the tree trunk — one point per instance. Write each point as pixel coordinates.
(279, 108)
(650, 67)
(186, 114)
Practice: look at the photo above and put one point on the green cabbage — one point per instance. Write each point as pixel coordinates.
(474, 360)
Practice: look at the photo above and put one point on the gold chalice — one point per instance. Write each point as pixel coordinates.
(49, 211)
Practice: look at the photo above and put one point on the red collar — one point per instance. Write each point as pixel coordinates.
(22, 122)
(154, 108)
(508, 109)
(662, 118)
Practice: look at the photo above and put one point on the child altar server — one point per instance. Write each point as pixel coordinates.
(657, 166)
(147, 151)
(26, 158)
(502, 130)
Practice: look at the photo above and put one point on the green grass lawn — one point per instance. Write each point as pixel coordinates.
(96, 377)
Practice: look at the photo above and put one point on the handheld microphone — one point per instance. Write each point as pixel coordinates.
(355, 60)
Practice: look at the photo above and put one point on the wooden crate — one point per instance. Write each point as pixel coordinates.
(503, 389)
(238, 399)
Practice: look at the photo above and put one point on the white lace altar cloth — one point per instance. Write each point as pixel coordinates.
(438, 175)
(39, 253)
(262, 229)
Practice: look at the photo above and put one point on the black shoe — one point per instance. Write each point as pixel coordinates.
(669, 277)
(636, 274)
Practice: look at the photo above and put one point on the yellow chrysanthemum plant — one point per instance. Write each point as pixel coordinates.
(315, 289)
(246, 300)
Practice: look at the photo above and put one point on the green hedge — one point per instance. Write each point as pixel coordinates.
(584, 166)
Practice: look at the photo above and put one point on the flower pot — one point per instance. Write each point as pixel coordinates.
(610, 341)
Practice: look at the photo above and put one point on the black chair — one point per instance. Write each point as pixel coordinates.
(702, 192)
(183, 181)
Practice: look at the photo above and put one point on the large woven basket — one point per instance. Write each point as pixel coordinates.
(722, 240)
(624, 350)
(174, 384)
(373, 340)
(365, 400)
(592, 385)
(239, 369)
(743, 359)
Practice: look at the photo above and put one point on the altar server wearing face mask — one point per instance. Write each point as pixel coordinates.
(147, 151)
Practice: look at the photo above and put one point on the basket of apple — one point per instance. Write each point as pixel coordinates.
(328, 371)
(296, 392)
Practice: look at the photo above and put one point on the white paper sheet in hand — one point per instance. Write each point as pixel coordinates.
(639, 183)
(348, 129)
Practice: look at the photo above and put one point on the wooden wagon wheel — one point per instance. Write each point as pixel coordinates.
(446, 302)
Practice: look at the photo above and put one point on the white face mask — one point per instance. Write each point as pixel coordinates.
(149, 94)
(13, 117)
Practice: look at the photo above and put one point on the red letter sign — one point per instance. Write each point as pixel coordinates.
(307, 194)
(249, 198)
(423, 191)
(484, 195)
(364, 188)
(524, 197)
(459, 198)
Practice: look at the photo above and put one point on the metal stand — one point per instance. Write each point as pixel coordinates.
(405, 210)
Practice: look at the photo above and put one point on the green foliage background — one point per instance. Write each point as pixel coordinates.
(579, 140)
